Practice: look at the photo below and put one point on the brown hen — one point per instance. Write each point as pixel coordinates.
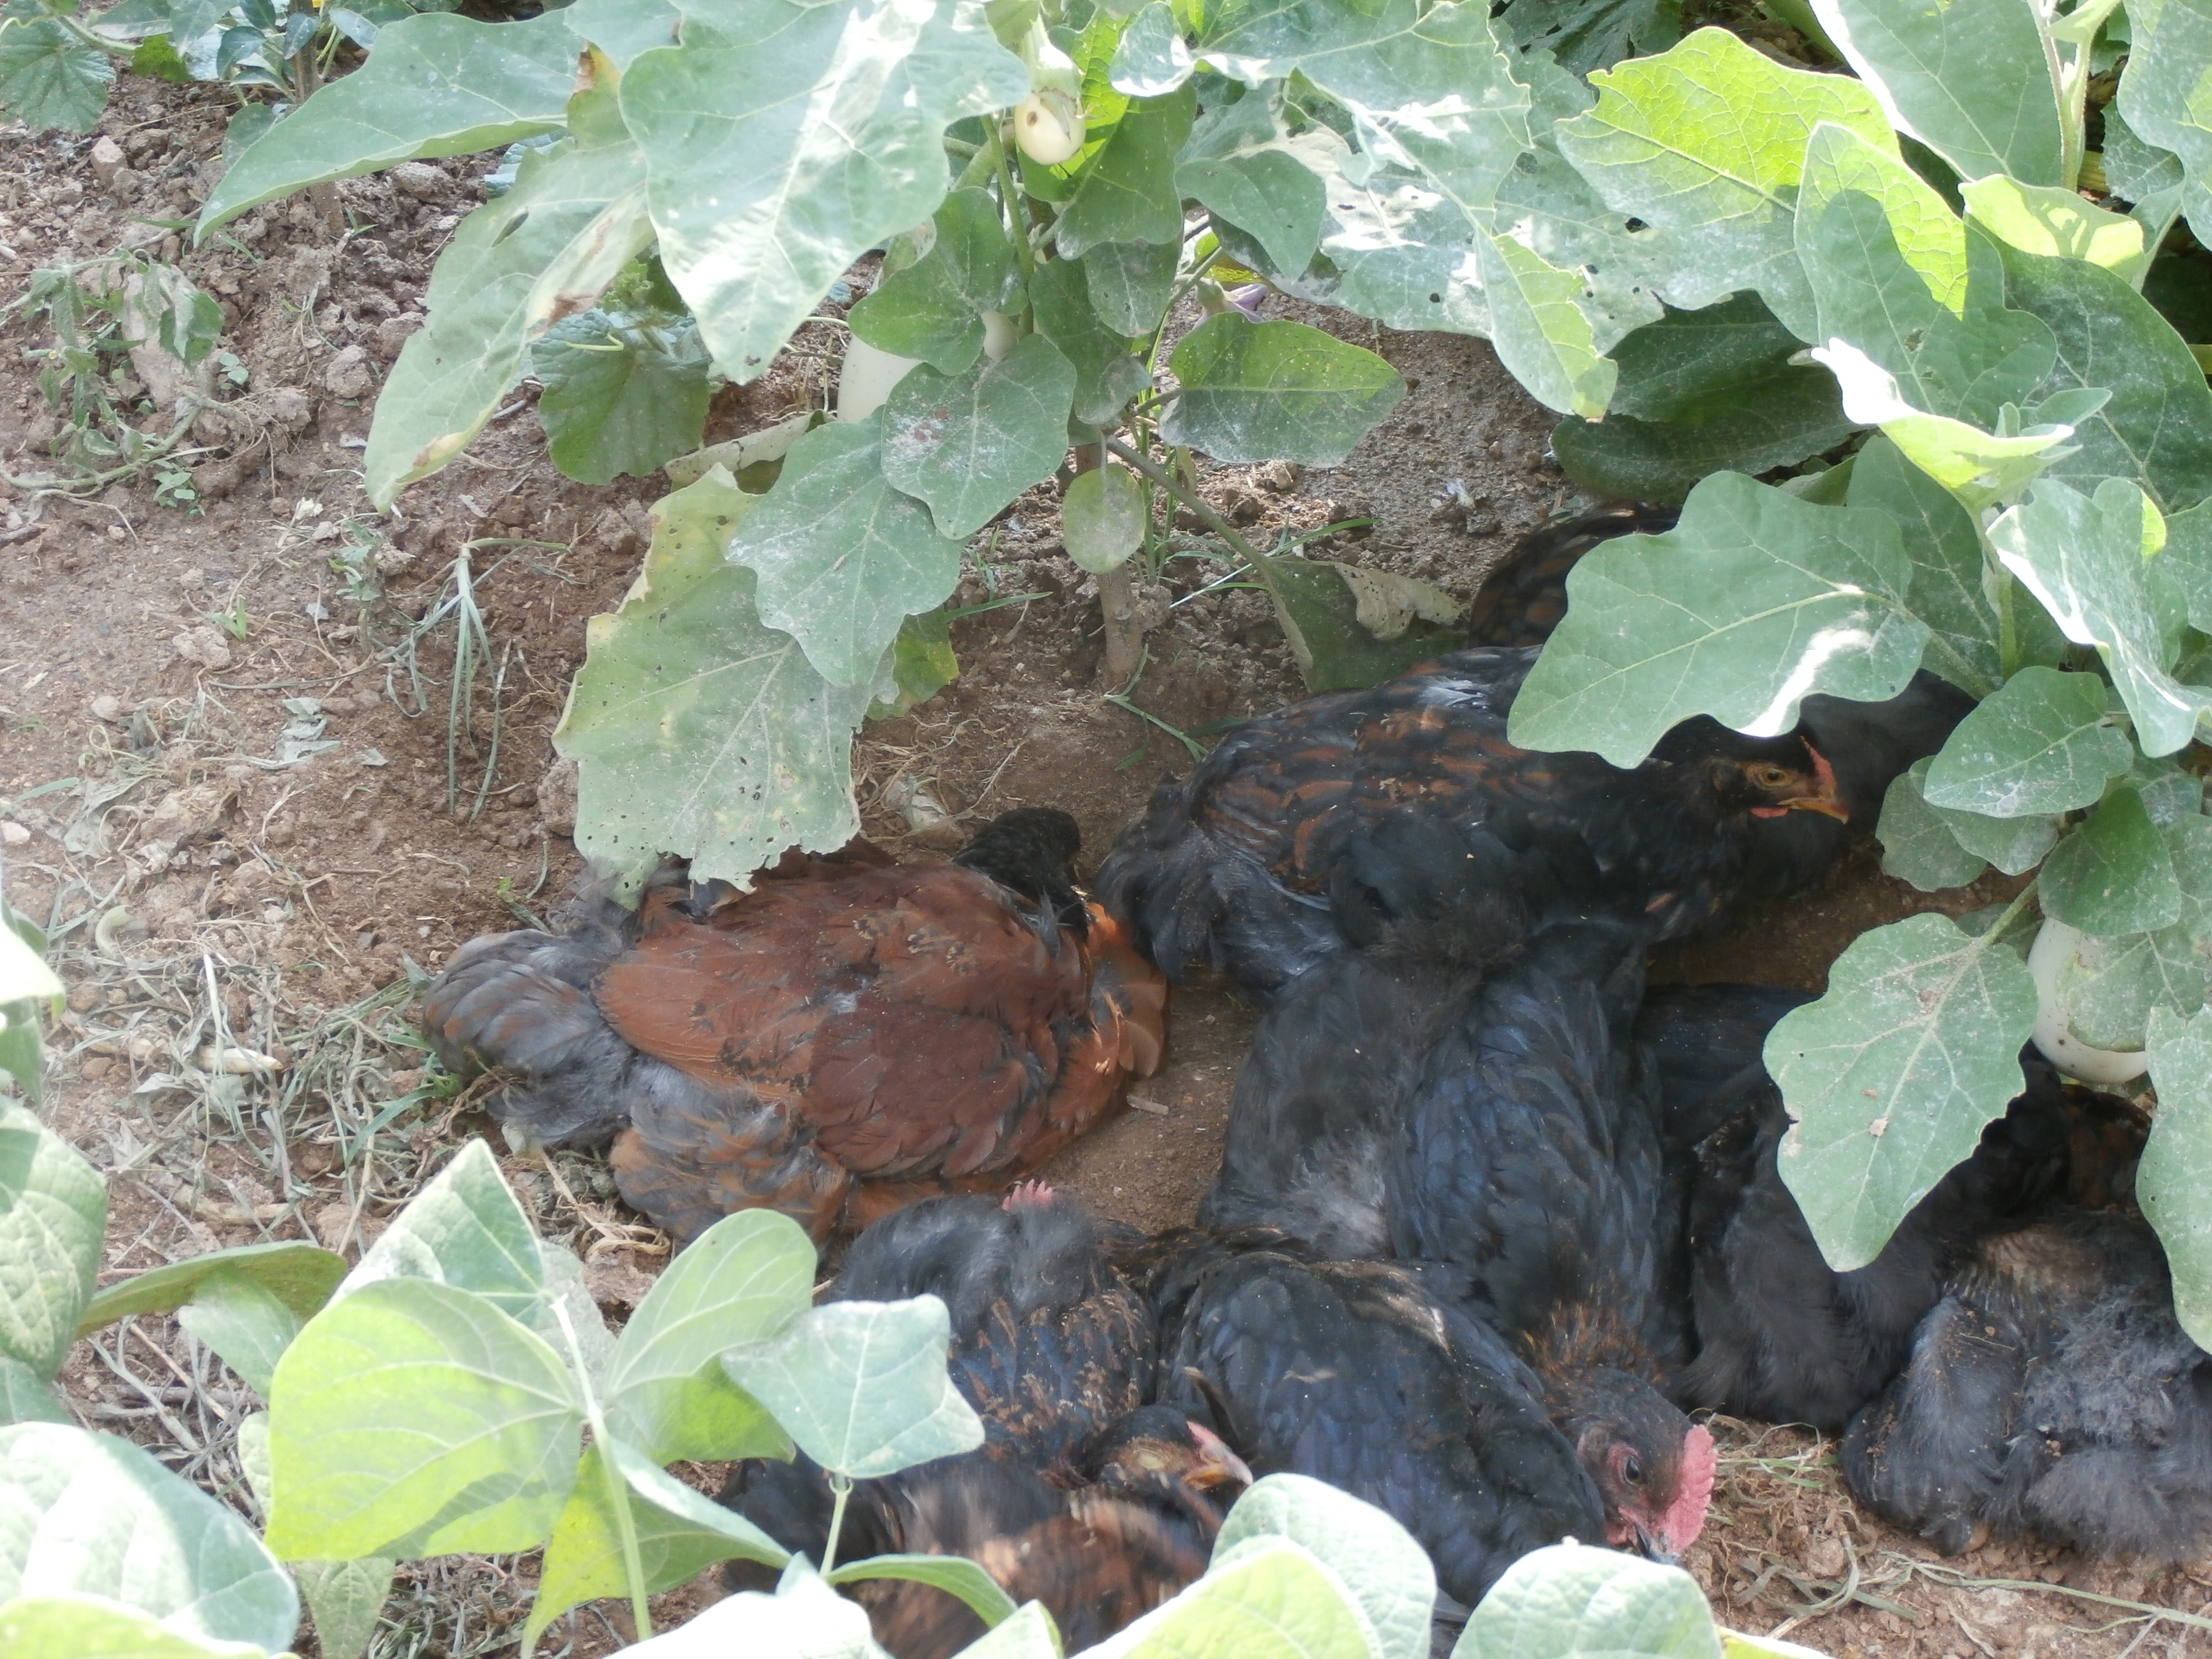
(848, 1037)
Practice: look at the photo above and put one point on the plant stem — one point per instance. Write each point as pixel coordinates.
(617, 1488)
(1204, 514)
(1010, 198)
(2011, 913)
(840, 1488)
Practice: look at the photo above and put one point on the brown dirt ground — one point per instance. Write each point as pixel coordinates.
(204, 890)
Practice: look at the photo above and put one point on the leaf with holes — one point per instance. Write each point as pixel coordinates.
(1892, 1074)
(699, 729)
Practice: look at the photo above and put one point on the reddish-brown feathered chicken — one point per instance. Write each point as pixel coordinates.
(848, 1035)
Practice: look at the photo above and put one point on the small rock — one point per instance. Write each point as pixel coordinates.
(96, 1069)
(393, 333)
(617, 534)
(218, 478)
(84, 997)
(420, 180)
(1277, 476)
(349, 375)
(186, 814)
(1826, 1557)
(556, 797)
(13, 835)
(203, 646)
(615, 1279)
(107, 158)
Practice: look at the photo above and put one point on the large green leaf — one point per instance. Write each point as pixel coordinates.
(1269, 1598)
(1240, 165)
(1947, 590)
(1928, 235)
(437, 84)
(1755, 600)
(2084, 558)
(1567, 1601)
(50, 78)
(96, 1627)
(839, 555)
(1968, 78)
(1702, 392)
(784, 141)
(2174, 1183)
(1594, 34)
(968, 444)
(2114, 874)
(1708, 142)
(1892, 1074)
(53, 1210)
(621, 395)
(2055, 223)
(1379, 1563)
(345, 1598)
(862, 1386)
(1128, 194)
(464, 1230)
(1537, 323)
(2043, 743)
(92, 1514)
(1980, 467)
(1107, 373)
(680, 1534)
(667, 1393)
(2157, 427)
(412, 1419)
(2162, 94)
(246, 1323)
(1130, 283)
(934, 309)
(701, 731)
(300, 1276)
(1544, 202)
(1258, 392)
(1916, 842)
(1964, 355)
(2109, 985)
(543, 250)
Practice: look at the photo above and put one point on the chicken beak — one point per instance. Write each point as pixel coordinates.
(1829, 797)
(1653, 1547)
(1217, 1465)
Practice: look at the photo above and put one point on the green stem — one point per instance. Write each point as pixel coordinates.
(1204, 514)
(2072, 100)
(1175, 297)
(2011, 913)
(617, 1489)
(1010, 197)
(840, 1488)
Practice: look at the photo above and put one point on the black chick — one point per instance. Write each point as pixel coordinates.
(2051, 1391)
(1779, 1335)
(1351, 1372)
(1055, 1352)
(1489, 1126)
(1233, 866)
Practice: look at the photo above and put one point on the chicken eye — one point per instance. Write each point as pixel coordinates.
(1633, 1471)
(1770, 777)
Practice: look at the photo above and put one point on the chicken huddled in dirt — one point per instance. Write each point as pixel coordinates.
(1490, 1125)
(2051, 1391)
(1230, 868)
(1775, 1333)
(1083, 1496)
(847, 1035)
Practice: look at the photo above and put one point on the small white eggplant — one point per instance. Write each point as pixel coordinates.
(1048, 127)
(867, 379)
(2057, 946)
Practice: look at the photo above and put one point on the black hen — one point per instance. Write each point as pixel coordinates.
(2051, 1391)
(1779, 1334)
(1232, 867)
(1489, 1126)
(1055, 1352)
(1524, 594)
(1351, 1373)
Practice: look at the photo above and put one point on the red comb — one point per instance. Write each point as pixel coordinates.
(1685, 1517)
(1029, 1196)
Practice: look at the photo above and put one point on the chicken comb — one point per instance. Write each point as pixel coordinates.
(1031, 1195)
(1685, 1517)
